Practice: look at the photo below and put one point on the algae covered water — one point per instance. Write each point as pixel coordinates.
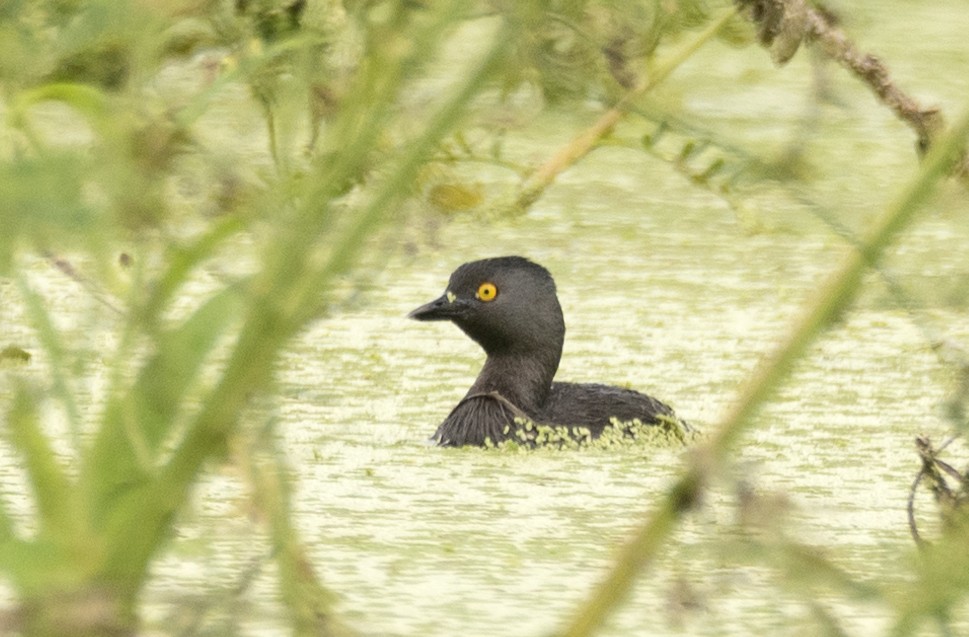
(667, 287)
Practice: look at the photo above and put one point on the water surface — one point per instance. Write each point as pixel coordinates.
(667, 289)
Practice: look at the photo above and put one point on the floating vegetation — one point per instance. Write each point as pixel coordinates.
(11, 354)
(102, 127)
(526, 434)
(455, 197)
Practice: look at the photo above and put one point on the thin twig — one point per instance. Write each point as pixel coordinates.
(913, 526)
(96, 292)
(926, 121)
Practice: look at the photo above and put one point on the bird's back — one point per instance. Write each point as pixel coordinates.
(573, 412)
(595, 406)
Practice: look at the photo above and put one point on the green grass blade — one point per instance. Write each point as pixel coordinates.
(85, 99)
(50, 338)
(833, 297)
(126, 450)
(282, 302)
(54, 494)
(183, 261)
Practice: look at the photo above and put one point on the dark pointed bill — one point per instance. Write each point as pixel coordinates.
(440, 309)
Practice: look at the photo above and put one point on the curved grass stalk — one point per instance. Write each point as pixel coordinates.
(51, 340)
(832, 299)
(87, 100)
(54, 496)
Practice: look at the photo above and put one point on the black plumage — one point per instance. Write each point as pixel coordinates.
(508, 305)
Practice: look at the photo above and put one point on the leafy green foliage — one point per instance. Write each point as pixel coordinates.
(576, 50)
(104, 512)
(102, 148)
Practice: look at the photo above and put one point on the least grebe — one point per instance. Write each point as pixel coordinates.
(508, 305)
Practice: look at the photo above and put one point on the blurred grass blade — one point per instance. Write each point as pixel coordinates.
(391, 58)
(832, 298)
(126, 450)
(443, 121)
(136, 525)
(286, 296)
(90, 102)
(309, 603)
(587, 140)
(51, 341)
(84, 98)
(54, 495)
(202, 101)
(182, 262)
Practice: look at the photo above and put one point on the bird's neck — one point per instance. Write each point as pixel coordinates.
(524, 378)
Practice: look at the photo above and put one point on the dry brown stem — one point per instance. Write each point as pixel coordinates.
(926, 121)
(783, 24)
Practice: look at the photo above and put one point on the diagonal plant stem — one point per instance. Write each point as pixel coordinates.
(581, 145)
(444, 120)
(51, 340)
(299, 585)
(285, 296)
(833, 298)
(54, 497)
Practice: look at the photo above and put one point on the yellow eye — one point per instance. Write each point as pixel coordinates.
(486, 292)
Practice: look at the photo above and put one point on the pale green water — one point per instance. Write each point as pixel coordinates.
(665, 290)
